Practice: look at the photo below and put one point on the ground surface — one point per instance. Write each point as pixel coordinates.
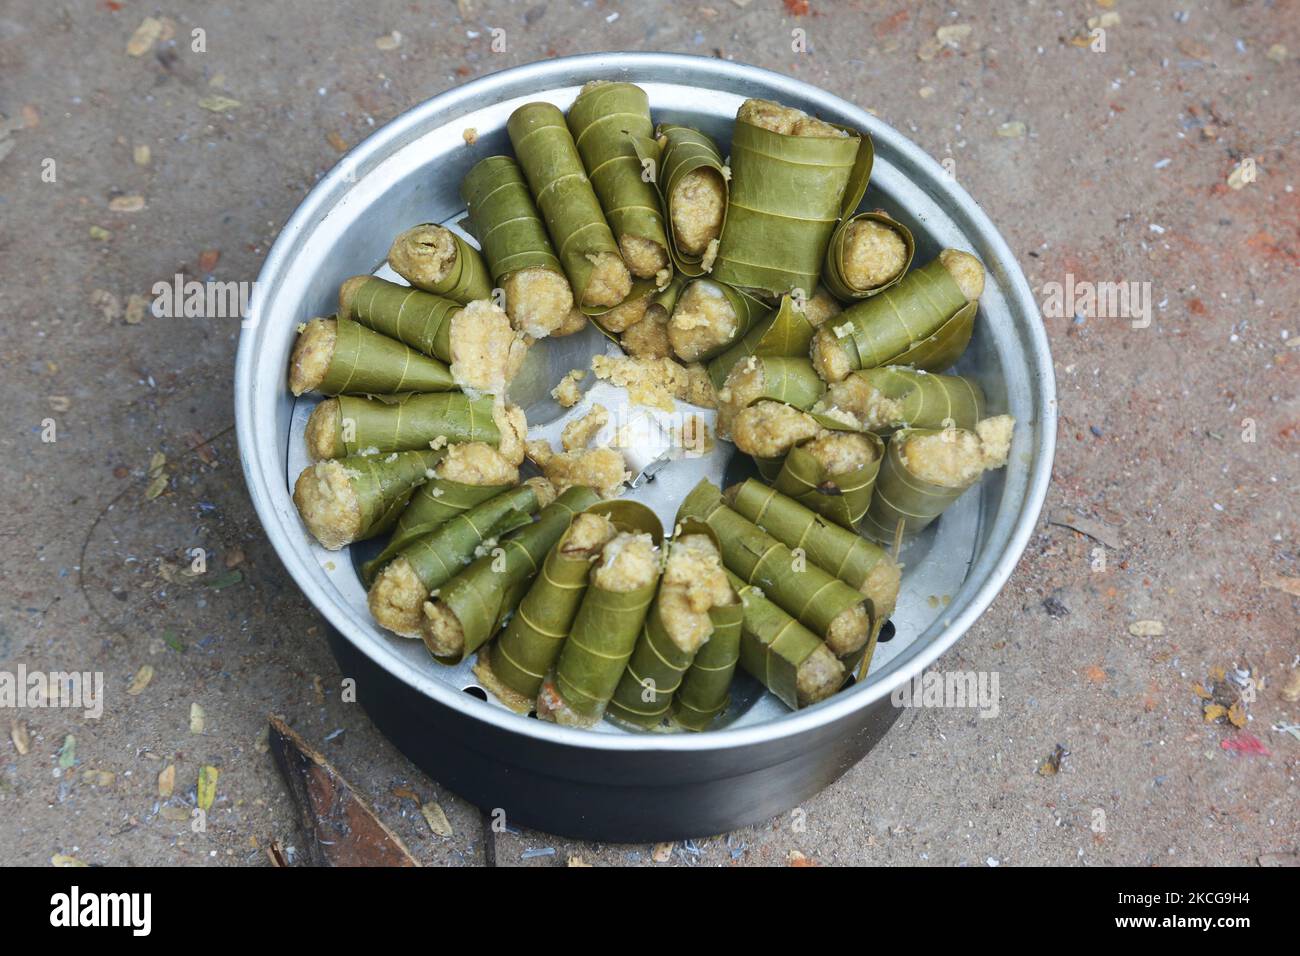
(1180, 438)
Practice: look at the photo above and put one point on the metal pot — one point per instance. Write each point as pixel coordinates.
(616, 785)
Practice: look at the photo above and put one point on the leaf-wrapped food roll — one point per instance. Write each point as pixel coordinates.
(469, 608)
(351, 499)
(885, 399)
(647, 337)
(679, 624)
(519, 255)
(924, 321)
(341, 357)
(868, 253)
(437, 260)
(823, 603)
(786, 332)
(925, 470)
(706, 686)
(420, 319)
(432, 559)
(833, 474)
(576, 224)
(613, 609)
(708, 317)
(692, 180)
(520, 658)
(783, 655)
(777, 378)
(793, 178)
(351, 425)
(606, 121)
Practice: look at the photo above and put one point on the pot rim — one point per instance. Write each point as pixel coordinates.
(262, 471)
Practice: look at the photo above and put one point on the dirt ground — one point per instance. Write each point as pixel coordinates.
(1167, 159)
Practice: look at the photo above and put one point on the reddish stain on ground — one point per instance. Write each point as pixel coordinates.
(892, 23)
(797, 8)
(1196, 306)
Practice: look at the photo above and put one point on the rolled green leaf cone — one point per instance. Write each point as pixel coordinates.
(833, 475)
(783, 655)
(793, 178)
(786, 332)
(435, 259)
(432, 559)
(924, 321)
(692, 180)
(706, 686)
(868, 253)
(606, 120)
(351, 425)
(709, 316)
(342, 357)
(351, 499)
(420, 319)
(574, 220)
(469, 608)
(521, 657)
(926, 469)
(609, 619)
(885, 399)
(789, 380)
(519, 255)
(823, 603)
(678, 626)
(853, 559)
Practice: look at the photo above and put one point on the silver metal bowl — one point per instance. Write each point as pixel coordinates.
(616, 785)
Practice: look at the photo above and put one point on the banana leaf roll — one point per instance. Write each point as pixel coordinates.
(833, 474)
(783, 655)
(465, 612)
(868, 253)
(525, 651)
(469, 474)
(420, 319)
(576, 224)
(341, 357)
(431, 560)
(619, 318)
(788, 331)
(351, 499)
(847, 555)
(692, 180)
(821, 602)
(607, 120)
(679, 624)
(504, 220)
(351, 425)
(609, 619)
(924, 321)
(793, 178)
(787, 380)
(709, 316)
(885, 399)
(647, 337)
(706, 686)
(437, 260)
(926, 469)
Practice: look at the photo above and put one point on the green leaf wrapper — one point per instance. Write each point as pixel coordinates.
(526, 650)
(368, 363)
(605, 630)
(706, 687)
(903, 499)
(606, 120)
(773, 644)
(468, 279)
(439, 555)
(923, 321)
(926, 399)
(412, 422)
(682, 151)
(420, 319)
(657, 665)
(785, 332)
(811, 595)
(383, 486)
(843, 498)
(504, 220)
(787, 194)
(557, 180)
(481, 595)
(833, 275)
